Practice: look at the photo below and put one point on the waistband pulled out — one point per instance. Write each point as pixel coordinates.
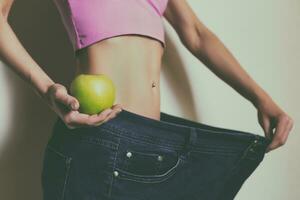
(174, 130)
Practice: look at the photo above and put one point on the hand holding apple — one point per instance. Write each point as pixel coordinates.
(66, 107)
(95, 92)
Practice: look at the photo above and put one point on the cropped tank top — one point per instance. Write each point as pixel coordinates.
(89, 21)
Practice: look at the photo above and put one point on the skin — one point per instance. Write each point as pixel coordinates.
(137, 67)
(134, 71)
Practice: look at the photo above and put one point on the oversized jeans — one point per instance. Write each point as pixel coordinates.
(133, 157)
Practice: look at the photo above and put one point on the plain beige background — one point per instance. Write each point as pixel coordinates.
(262, 35)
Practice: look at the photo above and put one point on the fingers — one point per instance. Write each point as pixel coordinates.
(268, 130)
(74, 119)
(62, 96)
(284, 126)
(115, 110)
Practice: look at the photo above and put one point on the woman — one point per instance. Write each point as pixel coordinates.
(132, 150)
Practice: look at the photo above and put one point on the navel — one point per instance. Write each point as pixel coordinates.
(153, 84)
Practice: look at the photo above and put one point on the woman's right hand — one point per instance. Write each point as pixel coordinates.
(66, 107)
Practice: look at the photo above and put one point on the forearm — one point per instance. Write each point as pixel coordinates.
(18, 59)
(213, 53)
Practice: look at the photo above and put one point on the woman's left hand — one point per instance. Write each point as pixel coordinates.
(270, 116)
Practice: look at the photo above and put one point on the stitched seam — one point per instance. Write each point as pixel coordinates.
(149, 178)
(230, 132)
(175, 147)
(165, 146)
(57, 152)
(114, 164)
(231, 171)
(146, 154)
(205, 147)
(68, 165)
(139, 142)
(219, 129)
(144, 139)
(227, 153)
(243, 156)
(101, 142)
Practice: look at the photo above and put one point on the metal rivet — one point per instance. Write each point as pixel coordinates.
(255, 141)
(251, 149)
(159, 158)
(116, 173)
(128, 154)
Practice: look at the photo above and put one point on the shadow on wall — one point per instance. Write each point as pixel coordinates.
(40, 30)
(38, 26)
(177, 80)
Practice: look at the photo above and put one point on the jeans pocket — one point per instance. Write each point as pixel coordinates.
(55, 173)
(146, 163)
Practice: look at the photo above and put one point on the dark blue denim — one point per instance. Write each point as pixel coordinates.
(133, 157)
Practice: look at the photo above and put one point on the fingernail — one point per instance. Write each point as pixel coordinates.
(73, 106)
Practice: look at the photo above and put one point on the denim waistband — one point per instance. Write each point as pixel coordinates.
(170, 131)
(174, 131)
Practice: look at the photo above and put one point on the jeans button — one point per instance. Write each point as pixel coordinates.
(159, 158)
(116, 173)
(128, 154)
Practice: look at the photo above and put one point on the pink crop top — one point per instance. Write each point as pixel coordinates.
(89, 21)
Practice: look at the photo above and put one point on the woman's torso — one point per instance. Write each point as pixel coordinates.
(133, 62)
(122, 39)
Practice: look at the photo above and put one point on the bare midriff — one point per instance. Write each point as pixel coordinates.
(133, 63)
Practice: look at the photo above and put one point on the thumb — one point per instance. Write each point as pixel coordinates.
(68, 100)
(74, 105)
(266, 125)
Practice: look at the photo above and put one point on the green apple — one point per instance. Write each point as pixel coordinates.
(95, 92)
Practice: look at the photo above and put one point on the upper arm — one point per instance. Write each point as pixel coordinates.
(185, 22)
(5, 6)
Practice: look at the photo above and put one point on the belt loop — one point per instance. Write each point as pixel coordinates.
(191, 140)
